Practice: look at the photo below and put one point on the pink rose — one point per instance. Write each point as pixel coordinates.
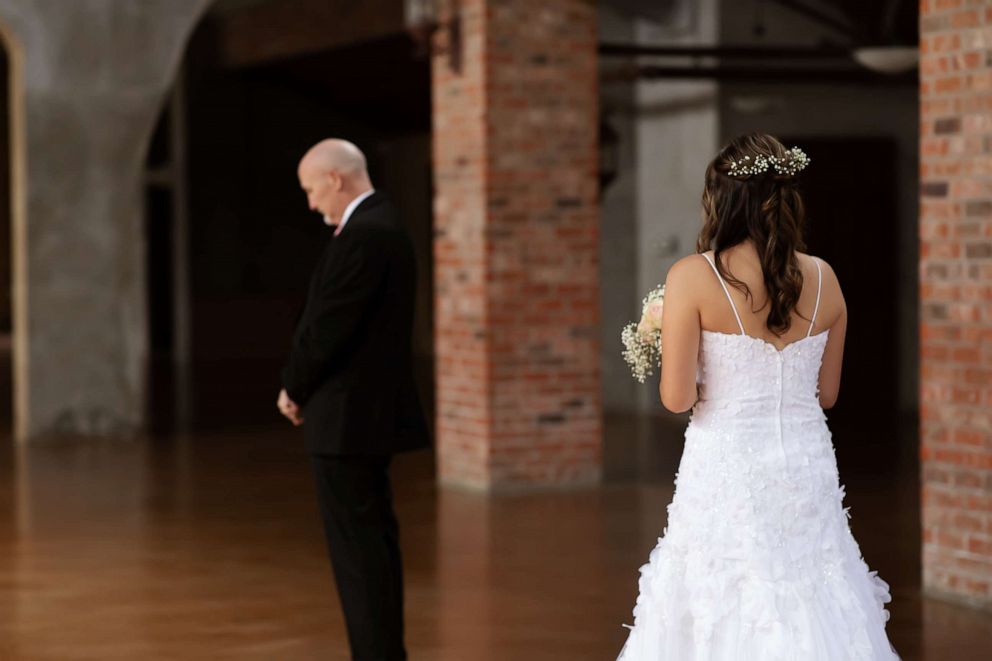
(653, 313)
(644, 329)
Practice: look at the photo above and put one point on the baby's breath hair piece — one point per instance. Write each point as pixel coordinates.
(794, 161)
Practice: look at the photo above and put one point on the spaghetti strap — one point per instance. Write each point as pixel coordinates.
(819, 281)
(725, 291)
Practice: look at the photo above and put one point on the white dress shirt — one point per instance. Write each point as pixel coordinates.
(350, 209)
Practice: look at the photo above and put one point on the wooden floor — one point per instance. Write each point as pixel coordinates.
(208, 547)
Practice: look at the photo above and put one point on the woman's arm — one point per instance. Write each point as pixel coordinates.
(680, 337)
(833, 354)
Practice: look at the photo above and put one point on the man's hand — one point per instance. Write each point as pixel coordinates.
(289, 408)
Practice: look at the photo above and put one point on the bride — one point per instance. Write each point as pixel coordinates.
(757, 561)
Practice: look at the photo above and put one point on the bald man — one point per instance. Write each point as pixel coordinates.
(349, 382)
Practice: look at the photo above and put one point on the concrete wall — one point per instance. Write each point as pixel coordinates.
(91, 77)
(619, 227)
(651, 213)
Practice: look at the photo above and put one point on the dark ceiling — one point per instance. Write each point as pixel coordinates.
(864, 22)
(387, 82)
(384, 82)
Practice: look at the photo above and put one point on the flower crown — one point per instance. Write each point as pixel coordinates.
(794, 161)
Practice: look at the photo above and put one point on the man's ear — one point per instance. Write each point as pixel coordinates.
(335, 180)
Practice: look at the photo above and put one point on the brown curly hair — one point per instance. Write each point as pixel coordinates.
(766, 208)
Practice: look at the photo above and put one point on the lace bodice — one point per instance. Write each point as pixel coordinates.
(747, 377)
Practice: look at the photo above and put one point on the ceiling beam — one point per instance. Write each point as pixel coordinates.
(757, 74)
(749, 52)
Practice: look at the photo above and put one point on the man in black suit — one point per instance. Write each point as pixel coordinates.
(350, 377)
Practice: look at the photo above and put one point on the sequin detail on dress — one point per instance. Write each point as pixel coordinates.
(757, 561)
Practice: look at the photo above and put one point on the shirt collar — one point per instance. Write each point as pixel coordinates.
(350, 209)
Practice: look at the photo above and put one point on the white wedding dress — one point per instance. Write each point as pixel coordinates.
(758, 561)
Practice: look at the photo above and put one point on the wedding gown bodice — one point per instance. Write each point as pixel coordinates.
(747, 376)
(773, 384)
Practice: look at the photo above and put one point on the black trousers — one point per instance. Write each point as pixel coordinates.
(363, 542)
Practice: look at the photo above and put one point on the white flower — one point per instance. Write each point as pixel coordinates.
(795, 160)
(642, 341)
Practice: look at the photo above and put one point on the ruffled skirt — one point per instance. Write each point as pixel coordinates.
(758, 560)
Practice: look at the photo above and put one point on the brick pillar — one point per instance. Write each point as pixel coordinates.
(515, 250)
(955, 292)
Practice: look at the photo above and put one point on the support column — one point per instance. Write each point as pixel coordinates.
(90, 81)
(956, 299)
(516, 245)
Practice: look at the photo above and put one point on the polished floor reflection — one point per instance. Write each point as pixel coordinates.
(208, 547)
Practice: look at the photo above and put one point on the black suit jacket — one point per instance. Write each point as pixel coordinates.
(350, 367)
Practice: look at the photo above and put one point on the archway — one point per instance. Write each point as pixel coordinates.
(230, 240)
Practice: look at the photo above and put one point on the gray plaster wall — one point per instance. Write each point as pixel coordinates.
(93, 77)
(651, 213)
(677, 136)
(618, 227)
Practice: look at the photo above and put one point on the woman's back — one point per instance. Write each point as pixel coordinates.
(704, 297)
(741, 261)
(750, 388)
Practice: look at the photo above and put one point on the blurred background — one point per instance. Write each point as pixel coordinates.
(547, 156)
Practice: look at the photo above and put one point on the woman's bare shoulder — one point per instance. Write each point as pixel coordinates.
(825, 268)
(830, 287)
(686, 268)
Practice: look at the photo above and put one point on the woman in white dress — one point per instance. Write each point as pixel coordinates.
(758, 560)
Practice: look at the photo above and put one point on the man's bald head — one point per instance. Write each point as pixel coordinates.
(333, 173)
(337, 155)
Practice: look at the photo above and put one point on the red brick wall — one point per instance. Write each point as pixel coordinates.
(955, 293)
(516, 240)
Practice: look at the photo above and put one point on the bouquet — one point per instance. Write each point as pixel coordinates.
(642, 341)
